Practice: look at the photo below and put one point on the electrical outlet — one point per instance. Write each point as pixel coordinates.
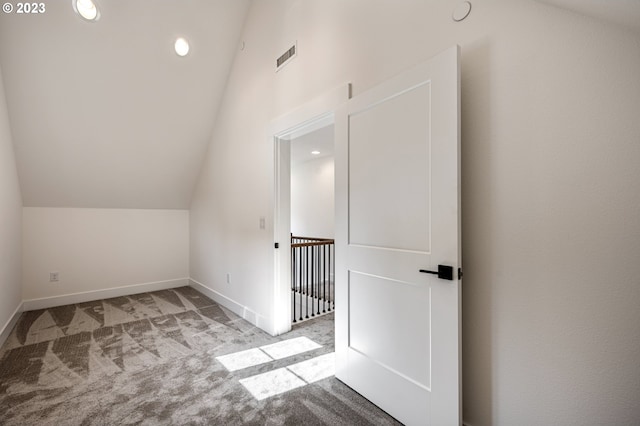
(228, 278)
(263, 222)
(54, 277)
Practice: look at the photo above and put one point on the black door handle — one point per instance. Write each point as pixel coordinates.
(444, 272)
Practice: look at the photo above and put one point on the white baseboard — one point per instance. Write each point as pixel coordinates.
(88, 296)
(6, 330)
(253, 317)
(50, 302)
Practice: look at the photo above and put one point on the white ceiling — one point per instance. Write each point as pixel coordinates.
(105, 114)
(318, 140)
(620, 12)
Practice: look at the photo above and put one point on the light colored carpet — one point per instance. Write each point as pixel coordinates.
(150, 359)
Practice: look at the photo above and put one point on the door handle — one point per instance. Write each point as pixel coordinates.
(444, 272)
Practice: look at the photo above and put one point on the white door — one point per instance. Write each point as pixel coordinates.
(397, 213)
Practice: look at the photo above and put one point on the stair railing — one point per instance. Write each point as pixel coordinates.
(312, 277)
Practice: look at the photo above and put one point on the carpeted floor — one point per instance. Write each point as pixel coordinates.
(151, 359)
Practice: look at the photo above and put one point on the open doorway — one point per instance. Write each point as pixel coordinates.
(306, 123)
(312, 224)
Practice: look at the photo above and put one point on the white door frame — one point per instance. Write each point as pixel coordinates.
(304, 119)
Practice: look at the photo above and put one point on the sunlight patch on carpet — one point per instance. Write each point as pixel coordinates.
(282, 380)
(256, 356)
(245, 359)
(290, 347)
(315, 369)
(272, 383)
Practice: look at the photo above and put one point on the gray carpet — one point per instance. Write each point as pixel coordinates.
(150, 359)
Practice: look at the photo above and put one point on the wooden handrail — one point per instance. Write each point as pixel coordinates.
(311, 238)
(316, 243)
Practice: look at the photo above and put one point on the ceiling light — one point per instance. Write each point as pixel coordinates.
(315, 152)
(181, 46)
(87, 9)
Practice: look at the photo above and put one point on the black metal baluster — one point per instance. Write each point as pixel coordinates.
(324, 278)
(328, 278)
(316, 279)
(317, 283)
(329, 281)
(300, 278)
(293, 282)
(307, 284)
(313, 280)
(313, 273)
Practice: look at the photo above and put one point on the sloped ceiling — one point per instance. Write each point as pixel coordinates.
(620, 12)
(105, 114)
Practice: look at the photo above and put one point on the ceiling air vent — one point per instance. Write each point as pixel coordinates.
(286, 57)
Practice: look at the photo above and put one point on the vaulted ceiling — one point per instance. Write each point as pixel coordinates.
(619, 12)
(105, 114)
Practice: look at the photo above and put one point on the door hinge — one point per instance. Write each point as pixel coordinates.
(277, 245)
(459, 273)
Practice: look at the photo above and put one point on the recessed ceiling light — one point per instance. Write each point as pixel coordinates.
(315, 152)
(87, 9)
(181, 46)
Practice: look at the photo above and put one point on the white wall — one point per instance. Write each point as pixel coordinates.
(10, 222)
(551, 186)
(99, 249)
(312, 198)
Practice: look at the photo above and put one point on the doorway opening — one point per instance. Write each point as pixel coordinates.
(297, 137)
(312, 224)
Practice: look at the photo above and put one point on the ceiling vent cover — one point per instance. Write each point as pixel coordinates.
(287, 56)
